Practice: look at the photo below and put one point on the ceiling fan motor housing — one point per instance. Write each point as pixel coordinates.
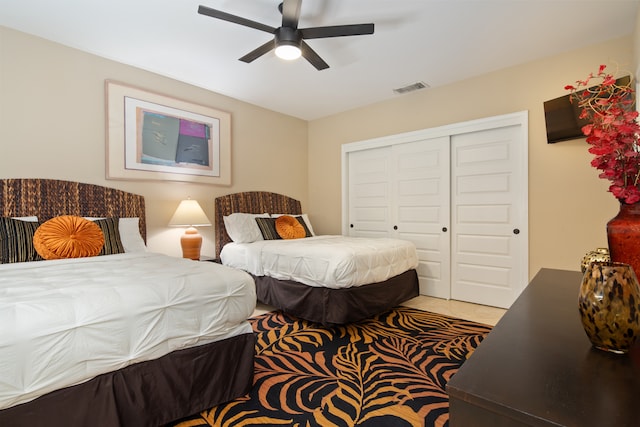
(288, 36)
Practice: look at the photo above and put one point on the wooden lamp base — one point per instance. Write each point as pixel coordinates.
(191, 242)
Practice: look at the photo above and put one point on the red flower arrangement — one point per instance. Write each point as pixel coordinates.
(612, 131)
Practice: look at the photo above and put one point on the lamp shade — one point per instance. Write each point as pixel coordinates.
(189, 213)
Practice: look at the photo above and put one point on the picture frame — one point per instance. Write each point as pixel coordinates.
(150, 136)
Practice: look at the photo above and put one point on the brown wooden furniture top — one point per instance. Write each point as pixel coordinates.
(537, 367)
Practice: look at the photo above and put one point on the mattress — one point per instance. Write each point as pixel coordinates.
(63, 322)
(335, 262)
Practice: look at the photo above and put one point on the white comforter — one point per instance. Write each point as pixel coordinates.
(63, 322)
(330, 261)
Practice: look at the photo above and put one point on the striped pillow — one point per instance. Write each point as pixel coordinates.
(112, 242)
(268, 228)
(16, 241)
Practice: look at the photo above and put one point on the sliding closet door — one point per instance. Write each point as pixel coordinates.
(421, 208)
(459, 192)
(369, 192)
(402, 191)
(489, 216)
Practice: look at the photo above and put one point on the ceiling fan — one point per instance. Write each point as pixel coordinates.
(289, 40)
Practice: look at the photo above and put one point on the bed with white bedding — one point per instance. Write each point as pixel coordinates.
(325, 279)
(334, 262)
(132, 338)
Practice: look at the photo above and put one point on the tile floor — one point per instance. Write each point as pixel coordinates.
(463, 310)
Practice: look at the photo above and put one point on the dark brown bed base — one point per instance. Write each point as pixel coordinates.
(336, 306)
(321, 305)
(150, 393)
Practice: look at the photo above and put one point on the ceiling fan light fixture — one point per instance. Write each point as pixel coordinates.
(289, 41)
(288, 52)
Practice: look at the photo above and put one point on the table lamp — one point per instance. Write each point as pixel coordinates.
(190, 214)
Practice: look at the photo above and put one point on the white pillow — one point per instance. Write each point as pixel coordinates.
(304, 217)
(130, 236)
(26, 218)
(242, 227)
(129, 231)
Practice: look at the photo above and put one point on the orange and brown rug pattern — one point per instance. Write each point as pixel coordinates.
(390, 370)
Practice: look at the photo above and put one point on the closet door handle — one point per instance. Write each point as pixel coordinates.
(395, 227)
(350, 225)
(516, 231)
(444, 229)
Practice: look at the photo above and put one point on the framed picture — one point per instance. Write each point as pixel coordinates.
(155, 137)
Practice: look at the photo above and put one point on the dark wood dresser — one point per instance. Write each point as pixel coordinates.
(537, 367)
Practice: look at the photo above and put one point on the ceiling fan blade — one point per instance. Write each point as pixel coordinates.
(337, 31)
(311, 56)
(214, 13)
(291, 13)
(258, 52)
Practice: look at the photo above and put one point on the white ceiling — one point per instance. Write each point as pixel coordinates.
(434, 41)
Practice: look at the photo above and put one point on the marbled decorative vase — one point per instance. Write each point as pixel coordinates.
(609, 305)
(623, 235)
(600, 254)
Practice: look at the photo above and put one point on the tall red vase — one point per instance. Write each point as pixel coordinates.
(623, 234)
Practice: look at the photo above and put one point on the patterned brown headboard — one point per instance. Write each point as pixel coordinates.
(255, 202)
(48, 198)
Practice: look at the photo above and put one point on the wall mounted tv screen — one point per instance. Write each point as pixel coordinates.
(562, 118)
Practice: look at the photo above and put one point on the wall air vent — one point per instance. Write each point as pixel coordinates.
(411, 88)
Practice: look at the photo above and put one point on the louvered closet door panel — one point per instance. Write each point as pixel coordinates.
(369, 192)
(421, 194)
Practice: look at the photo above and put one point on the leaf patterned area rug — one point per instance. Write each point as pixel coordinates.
(389, 370)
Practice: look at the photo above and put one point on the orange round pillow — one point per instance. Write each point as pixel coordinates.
(68, 236)
(289, 228)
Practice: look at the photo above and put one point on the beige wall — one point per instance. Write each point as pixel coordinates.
(52, 126)
(568, 204)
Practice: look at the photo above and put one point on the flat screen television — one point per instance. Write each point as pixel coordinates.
(562, 118)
